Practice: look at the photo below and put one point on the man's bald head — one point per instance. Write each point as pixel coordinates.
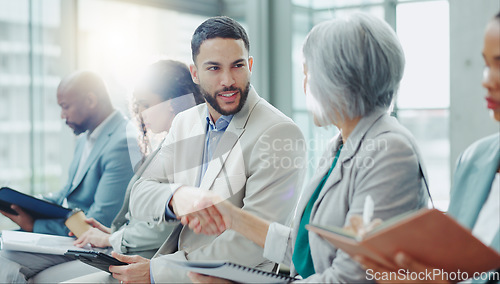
(81, 83)
(84, 101)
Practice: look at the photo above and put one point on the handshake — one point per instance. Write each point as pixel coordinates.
(203, 211)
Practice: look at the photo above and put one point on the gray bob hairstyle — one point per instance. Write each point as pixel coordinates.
(354, 67)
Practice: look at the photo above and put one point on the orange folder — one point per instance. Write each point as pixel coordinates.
(429, 236)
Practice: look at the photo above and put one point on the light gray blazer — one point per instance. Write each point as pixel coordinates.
(380, 159)
(131, 236)
(258, 165)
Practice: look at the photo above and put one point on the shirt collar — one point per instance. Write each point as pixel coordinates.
(221, 124)
(100, 128)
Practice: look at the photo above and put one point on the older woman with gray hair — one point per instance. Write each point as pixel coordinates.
(352, 70)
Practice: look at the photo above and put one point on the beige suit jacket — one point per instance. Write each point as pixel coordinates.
(258, 165)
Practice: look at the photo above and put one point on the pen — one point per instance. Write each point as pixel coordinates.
(368, 210)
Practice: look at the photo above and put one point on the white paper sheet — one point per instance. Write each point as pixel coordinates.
(37, 243)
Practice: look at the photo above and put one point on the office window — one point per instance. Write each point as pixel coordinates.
(424, 96)
(113, 38)
(28, 50)
(118, 40)
(14, 97)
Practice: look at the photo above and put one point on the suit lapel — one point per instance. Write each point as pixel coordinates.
(335, 176)
(198, 133)
(76, 162)
(306, 196)
(320, 172)
(228, 140)
(171, 244)
(349, 150)
(479, 177)
(73, 168)
(99, 145)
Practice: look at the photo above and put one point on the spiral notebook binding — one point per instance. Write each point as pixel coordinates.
(262, 272)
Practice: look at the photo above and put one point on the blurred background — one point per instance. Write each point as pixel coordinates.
(440, 99)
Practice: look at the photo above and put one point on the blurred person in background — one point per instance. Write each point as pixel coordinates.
(98, 175)
(165, 90)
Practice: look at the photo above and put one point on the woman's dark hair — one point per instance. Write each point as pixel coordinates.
(168, 79)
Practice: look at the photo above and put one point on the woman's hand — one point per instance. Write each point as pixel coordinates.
(94, 223)
(97, 236)
(357, 226)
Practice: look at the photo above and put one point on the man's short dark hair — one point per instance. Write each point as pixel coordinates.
(223, 27)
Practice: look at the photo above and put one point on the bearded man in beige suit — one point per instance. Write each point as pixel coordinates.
(236, 144)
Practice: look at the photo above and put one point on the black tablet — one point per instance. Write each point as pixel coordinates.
(37, 208)
(94, 258)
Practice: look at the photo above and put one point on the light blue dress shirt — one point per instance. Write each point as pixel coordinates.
(212, 138)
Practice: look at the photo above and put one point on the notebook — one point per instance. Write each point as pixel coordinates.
(38, 243)
(37, 208)
(231, 271)
(429, 236)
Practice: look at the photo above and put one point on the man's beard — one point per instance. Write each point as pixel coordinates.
(211, 99)
(77, 129)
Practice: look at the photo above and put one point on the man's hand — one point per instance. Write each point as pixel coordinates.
(23, 219)
(136, 272)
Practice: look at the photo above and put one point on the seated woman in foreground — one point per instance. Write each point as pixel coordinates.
(352, 69)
